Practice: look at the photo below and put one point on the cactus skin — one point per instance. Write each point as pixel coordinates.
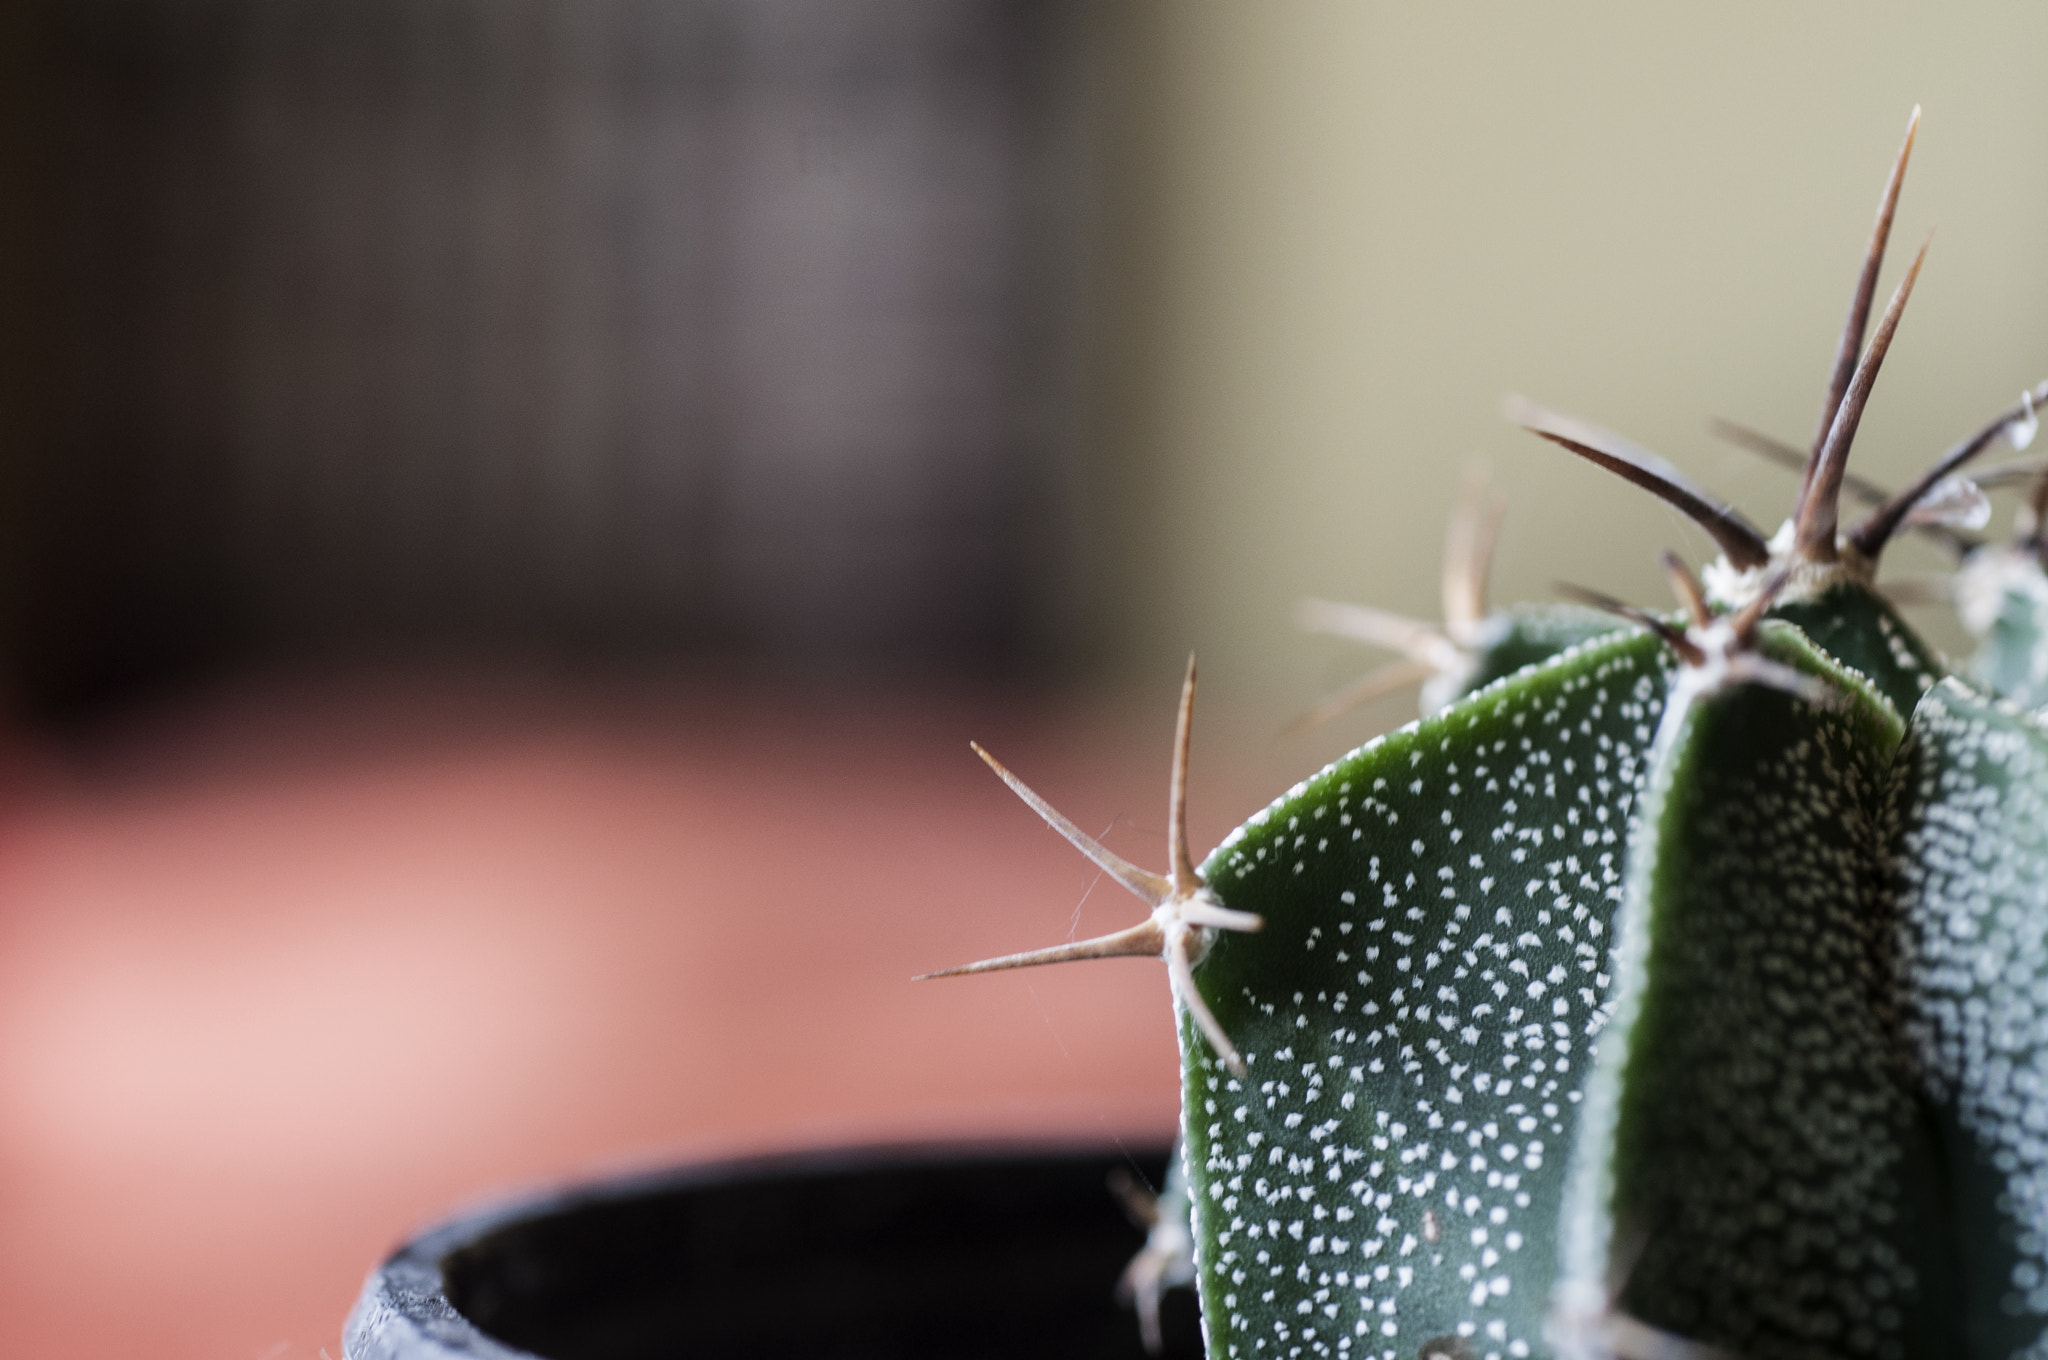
(1530, 634)
(2002, 595)
(2001, 590)
(1474, 856)
(1474, 645)
(1968, 847)
(1815, 1126)
(1755, 1172)
(1449, 664)
(1858, 629)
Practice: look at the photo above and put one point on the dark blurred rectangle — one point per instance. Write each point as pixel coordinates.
(581, 327)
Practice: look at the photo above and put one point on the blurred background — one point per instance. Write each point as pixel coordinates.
(511, 510)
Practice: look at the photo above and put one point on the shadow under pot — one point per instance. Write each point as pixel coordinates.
(965, 1254)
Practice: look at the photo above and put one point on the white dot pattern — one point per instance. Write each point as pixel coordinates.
(1971, 866)
(1768, 1168)
(1417, 1016)
(1856, 628)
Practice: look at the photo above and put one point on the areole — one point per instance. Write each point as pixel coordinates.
(1644, 1000)
(1676, 986)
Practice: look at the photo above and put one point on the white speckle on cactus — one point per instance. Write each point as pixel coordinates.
(1732, 587)
(1968, 859)
(1753, 1166)
(1455, 1080)
(1750, 882)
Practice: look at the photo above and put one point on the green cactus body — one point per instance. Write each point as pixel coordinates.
(1417, 1017)
(1755, 1172)
(1474, 645)
(1799, 1111)
(2002, 598)
(1858, 629)
(1968, 843)
(1528, 635)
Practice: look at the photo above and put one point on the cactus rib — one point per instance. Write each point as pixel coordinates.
(1968, 864)
(1752, 1173)
(1676, 988)
(1386, 1172)
(1472, 647)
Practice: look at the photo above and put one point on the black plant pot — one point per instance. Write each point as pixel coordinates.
(974, 1254)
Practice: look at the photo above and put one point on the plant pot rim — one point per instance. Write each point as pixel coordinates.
(404, 1311)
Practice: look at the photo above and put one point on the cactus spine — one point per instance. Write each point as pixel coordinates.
(1677, 985)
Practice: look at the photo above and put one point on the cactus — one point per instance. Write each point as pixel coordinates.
(2001, 591)
(1473, 646)
(1676, 986)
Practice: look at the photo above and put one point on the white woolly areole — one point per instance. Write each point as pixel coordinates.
(1731, 588)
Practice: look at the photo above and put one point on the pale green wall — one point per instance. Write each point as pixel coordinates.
(1336, 233)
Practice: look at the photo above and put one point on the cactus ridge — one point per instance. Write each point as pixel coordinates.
(1677, 986)
(1968, 840)
(1473, 646)
(1754, 1173)
(2001, 595)
(1416, 1017)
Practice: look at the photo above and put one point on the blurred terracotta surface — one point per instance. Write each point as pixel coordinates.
(286, 974)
